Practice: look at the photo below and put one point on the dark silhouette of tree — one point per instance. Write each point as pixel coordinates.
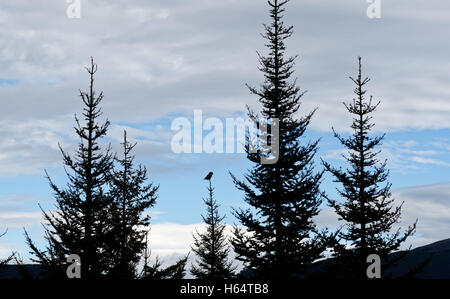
(211, 247)
(280, 238)
(368, 209)
(133, 195)
(83, 207)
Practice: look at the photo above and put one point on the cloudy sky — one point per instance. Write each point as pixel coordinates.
(159, 60)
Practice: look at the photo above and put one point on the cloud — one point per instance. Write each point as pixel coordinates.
(403, 155)
(430, 204)
(423, 160)
(157, 58)
(19, 219)
(172, 241)
(5, 250)
(28, 147)
(167, 238)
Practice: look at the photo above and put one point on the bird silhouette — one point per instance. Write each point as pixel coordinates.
(208, 176)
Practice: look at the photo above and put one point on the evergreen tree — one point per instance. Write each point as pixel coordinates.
(368, 209)
(211, 246)
(280, 238)
(132, 197)
(83, 207)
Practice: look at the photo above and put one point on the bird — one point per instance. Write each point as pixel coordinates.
(208, 176)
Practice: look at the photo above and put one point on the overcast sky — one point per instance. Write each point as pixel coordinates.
(162, 59)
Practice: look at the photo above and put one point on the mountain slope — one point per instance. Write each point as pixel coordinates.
(437, 267)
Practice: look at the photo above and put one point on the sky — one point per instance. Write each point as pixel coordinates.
(159, 60)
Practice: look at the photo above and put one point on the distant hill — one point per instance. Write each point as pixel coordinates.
(436, 256)
(438, 266)
(433, 260)
(20, 272)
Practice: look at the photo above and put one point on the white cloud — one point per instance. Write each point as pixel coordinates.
(423, 160)
(19, 219)
(158, 59)
(5, 251)
(405, 154)
(430, 204)
(172, 241)
(168, 238)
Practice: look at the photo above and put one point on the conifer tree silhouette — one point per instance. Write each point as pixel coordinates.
(280, 238)
(211, 247)
(83, 207)
(368, 209)
(132, 195)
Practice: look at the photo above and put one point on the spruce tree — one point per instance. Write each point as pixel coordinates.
(367, 208)
(279, 238)
(83, 207)
(132, 195)
(211, 247)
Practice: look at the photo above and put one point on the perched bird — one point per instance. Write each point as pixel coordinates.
(208, 176)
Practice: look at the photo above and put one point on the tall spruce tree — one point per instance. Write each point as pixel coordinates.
(279, 238)
(211, 247)
(368, 209)
(132, 195)
(83, 207)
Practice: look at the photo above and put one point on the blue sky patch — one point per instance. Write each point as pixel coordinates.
(8, 82)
